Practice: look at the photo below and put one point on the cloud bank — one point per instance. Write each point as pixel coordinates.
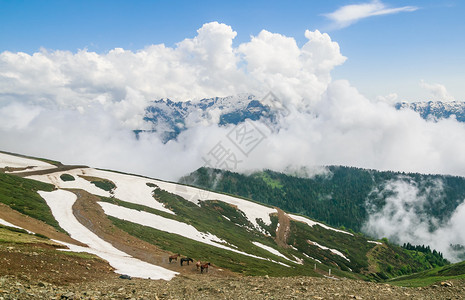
(83, 107)
(350, 14)
(405, 217)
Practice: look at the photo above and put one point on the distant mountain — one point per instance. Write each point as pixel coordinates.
(169, 118)
(436, 110)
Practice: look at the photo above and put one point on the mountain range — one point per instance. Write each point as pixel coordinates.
(168, 118)
(436, 110)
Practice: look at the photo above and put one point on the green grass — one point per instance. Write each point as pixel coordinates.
(273, 183)
(67, 177)
(428, 277)
(235, 229)
(101, 183)
(210, 217)
(21, 236)
(21, 194)
(221, 258)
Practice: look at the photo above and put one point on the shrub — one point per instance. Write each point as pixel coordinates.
(66, 177)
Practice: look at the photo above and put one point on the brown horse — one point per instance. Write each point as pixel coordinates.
(204, 267)
(174, 257)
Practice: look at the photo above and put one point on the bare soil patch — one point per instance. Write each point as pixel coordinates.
(14, 217)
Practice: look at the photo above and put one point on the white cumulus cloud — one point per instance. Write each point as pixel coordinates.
(438, 91)
(83, 107)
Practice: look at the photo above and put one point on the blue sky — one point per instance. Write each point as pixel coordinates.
(387, 53)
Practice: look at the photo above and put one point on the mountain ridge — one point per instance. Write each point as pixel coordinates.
(234, 234)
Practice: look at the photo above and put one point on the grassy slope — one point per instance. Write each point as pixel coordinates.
(21, 195)
(209, 217)
(428, 277)
(337, 198)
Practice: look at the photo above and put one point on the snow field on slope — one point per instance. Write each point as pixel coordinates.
(129, 188)
(61, 202)
(13, 161)
(312, 223)
(334, 251)
(134, 189)
(273, 251)
(252, 210)
(160, 223)
(171, 226)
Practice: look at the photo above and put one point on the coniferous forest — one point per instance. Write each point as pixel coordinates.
(340, 197)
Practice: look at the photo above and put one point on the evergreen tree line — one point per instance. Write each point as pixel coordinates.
(434, 257)
(338, 197)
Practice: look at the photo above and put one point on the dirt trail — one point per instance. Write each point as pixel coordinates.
(91, 215)
(61, 168)
(16, 218)
(283, 230)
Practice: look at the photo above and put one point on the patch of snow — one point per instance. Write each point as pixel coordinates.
(160, 223)
(298, 260)
(252, 210)
(6, 223)
(13, 161)
(61, 202)
(306, 255)
(271, 250)
(276, 252)
(334, 251)
(129, 188)
(312, 223)
(171, 226)
(375, 242)
(3, 222)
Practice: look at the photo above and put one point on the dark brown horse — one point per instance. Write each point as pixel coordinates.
(204, 267)
(186, 259)
(174, 257)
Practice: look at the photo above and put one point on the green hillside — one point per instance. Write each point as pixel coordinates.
(428, 277)
(337, 197)
(286, 247)
(21, 194)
